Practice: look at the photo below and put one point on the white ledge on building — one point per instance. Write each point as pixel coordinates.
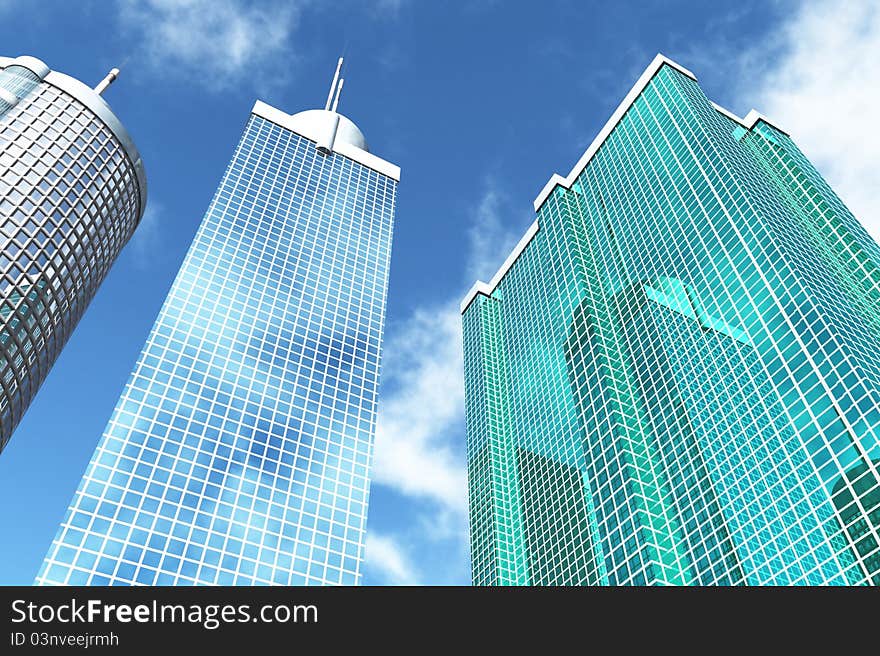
(748, 122)
(750, 119)
(345, 138)
(487, 288)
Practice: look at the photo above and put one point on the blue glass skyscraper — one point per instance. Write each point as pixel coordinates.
(240, 449)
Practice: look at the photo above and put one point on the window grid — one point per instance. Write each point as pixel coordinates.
(240, 449)
(70, 202)
(677, 380)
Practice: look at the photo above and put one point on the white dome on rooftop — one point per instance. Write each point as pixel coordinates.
(318, 121)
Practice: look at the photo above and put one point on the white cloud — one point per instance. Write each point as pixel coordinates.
(421, 409)
(217, 42)
(385, 557)
(420, 440)
(147, 237)
(820, 81)
(490, 237)
(420, 437)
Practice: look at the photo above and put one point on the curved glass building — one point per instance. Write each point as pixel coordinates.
(239, 452)
(72, 190)
(675, 377)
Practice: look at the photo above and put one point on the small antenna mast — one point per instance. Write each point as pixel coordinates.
(338, 93)
(107, 81)
(333, 86)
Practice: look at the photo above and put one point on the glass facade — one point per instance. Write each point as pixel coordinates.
(240, 449)
(71, 196)
(677, 381)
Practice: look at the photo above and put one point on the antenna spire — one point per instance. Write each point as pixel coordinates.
(338, 93)
(107, 81)
(333, 86)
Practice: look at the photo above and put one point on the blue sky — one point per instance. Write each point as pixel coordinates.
(479, 102)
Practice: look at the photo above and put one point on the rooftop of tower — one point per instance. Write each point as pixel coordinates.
(659, 61)
(92, 99)
(330, 130)
(318, 125)
(315, 120)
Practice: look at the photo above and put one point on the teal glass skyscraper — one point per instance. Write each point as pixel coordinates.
(675, 377)
(239, 452)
